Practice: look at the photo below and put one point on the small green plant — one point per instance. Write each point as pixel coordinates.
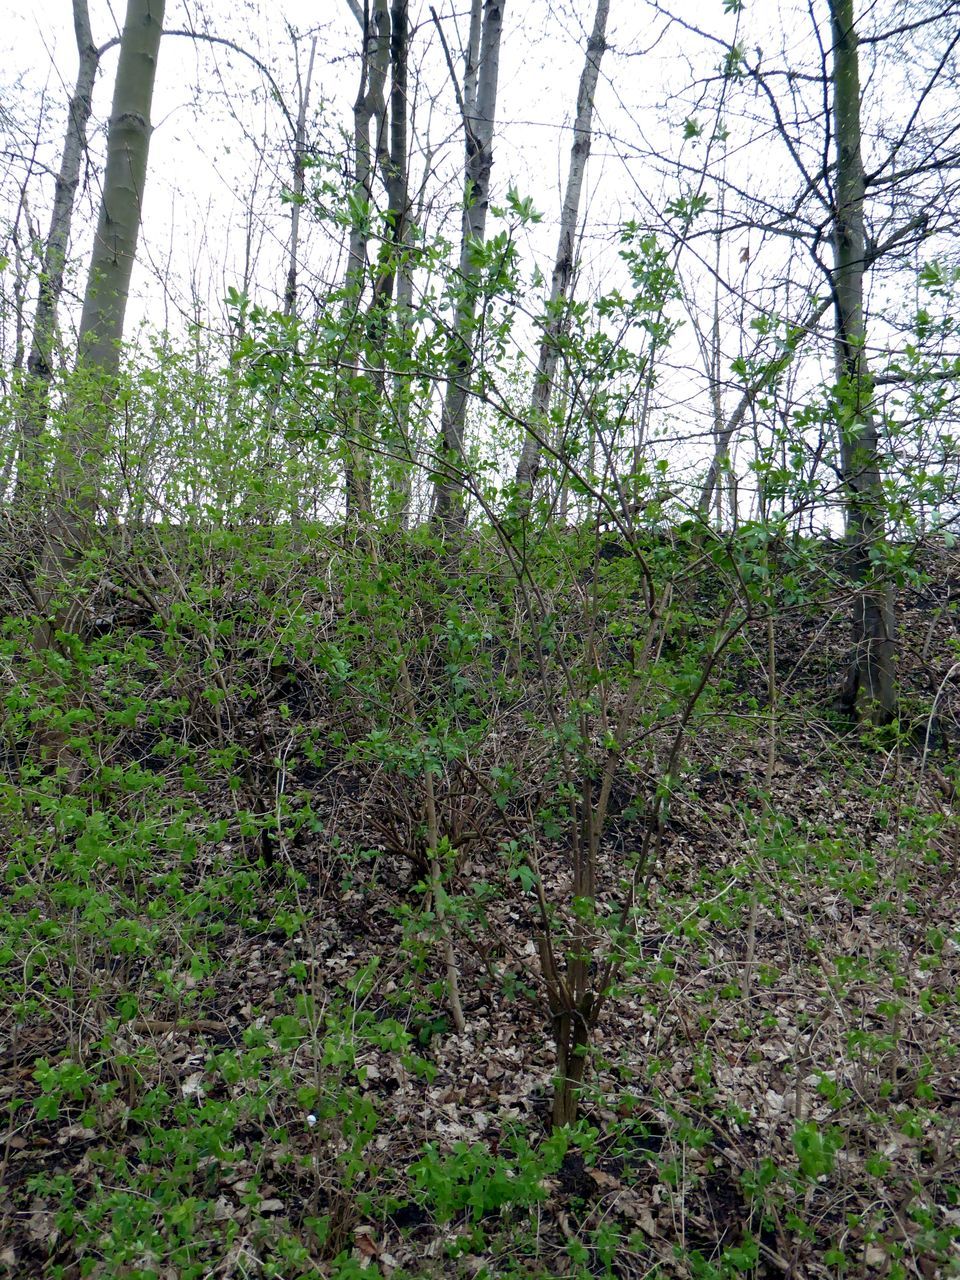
(473, 1179)
(816, 1148)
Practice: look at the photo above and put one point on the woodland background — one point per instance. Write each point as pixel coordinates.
(478, 648)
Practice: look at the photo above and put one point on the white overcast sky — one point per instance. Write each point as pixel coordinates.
(211, 115)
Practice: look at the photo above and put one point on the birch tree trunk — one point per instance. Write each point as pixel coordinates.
(870, 689)
(111, 266)
(36, 387)
(369, 106)
(478, 104)
(529, 463)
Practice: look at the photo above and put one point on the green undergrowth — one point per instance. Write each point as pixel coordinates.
(208, 1070)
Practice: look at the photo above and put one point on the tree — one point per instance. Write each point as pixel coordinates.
(392, 285)
(369, 107)
(297, 187)
(478, 104)
(851, 217)
(35, 399)
(111, 267)
(86, 432)
(548, 357)
(871, 681)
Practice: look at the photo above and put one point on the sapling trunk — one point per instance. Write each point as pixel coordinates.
(572, 1038)
(436, 882)
(577, 996)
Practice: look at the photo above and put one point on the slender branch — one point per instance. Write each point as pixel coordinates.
(244, 53)
(453, 73)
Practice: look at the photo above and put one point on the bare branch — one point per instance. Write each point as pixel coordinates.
(244, 53)
(453, 73)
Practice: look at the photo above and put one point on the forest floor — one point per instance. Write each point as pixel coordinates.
(226, 1045)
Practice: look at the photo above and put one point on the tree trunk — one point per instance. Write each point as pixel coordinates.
(79, 460)
(572, 1035)
(36, 388)
(394, 272)
(870, 689)
(111, 264)
(479, 103)
(299, 175)
(398, 199)
(369, 105)
(563, 265)
(293, 262)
